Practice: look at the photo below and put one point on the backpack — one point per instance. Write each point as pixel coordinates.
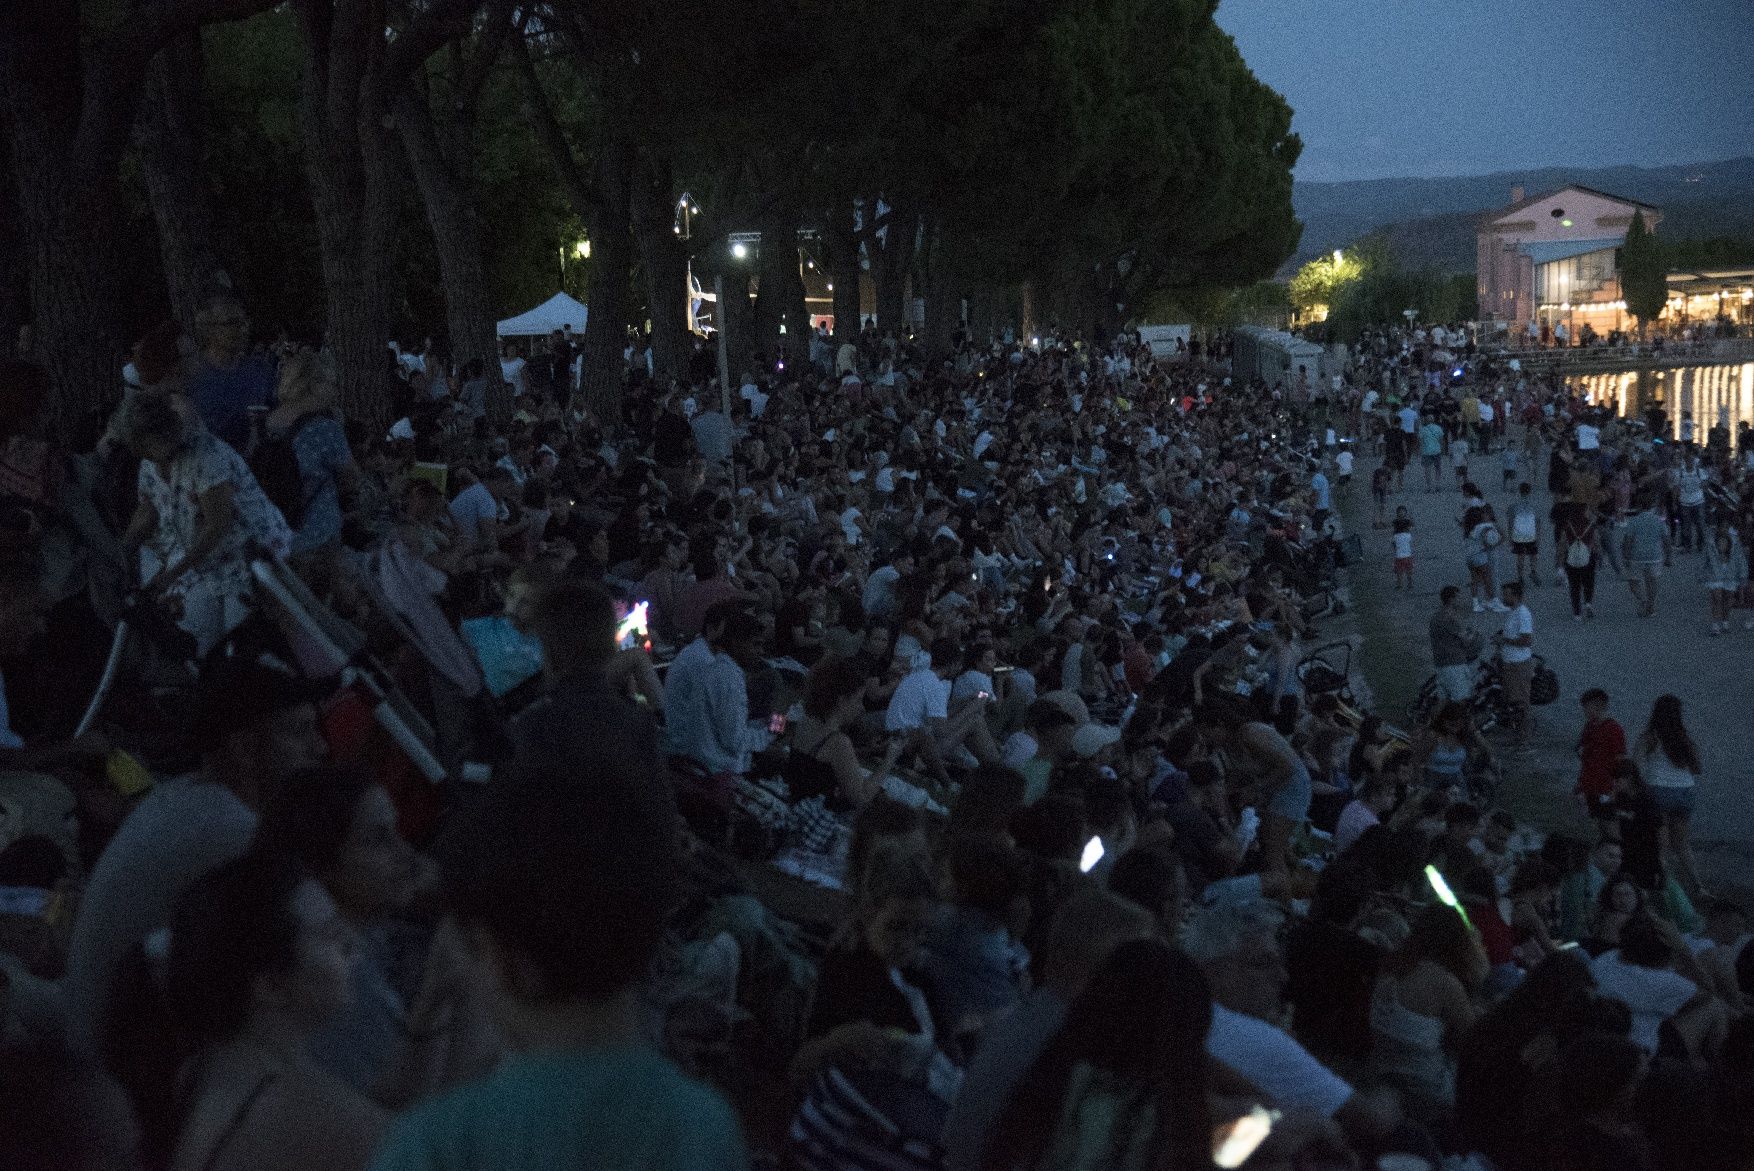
(274, 463)
(1490, 536)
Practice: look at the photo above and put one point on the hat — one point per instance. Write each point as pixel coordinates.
(1091, 739)
(236, 694)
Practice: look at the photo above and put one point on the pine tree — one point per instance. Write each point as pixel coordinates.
(1643, 282)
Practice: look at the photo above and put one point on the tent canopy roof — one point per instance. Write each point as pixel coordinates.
(558, 312)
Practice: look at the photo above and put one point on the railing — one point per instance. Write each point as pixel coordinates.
(1708, 351)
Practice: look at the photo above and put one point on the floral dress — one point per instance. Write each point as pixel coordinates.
(213, 593)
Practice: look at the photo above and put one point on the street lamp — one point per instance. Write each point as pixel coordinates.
(739, 250)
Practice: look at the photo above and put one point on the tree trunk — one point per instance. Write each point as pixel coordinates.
(890, 269)
(663, 259)
(453, 214)
(168, 132)
(353, 196)
(610, 298)
(842, 242)
(69, 213)
(778, 268)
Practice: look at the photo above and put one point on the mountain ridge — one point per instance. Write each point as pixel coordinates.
(1430, 222)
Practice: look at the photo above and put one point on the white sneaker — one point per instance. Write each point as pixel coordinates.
(1478, 608)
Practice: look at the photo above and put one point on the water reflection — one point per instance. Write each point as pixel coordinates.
(1711, 394)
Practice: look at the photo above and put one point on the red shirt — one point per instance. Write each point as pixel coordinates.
(1603, 742)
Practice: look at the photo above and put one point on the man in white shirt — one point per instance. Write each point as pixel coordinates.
(1690, 480)
(1589, 437)
(511, 368)
(1640, 974)
(878, 598)
(1517, 652)
(1409, 419)
(706, 693)
(920, 710)
(1236, 945)
(476, 510)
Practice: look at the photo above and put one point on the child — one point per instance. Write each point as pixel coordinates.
(1458, 452)
(1403, 553)
(1525, 535)
(1343, 462)
(1508, 456)
(1379, 491)
(1601, 743)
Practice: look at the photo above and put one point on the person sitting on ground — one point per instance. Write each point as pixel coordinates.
(970, 954)
(259, 960)
(706, 697)
(261, 726)
(563, 888)
(823, 758)
(1423, 1006)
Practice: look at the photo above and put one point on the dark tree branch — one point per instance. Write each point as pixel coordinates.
(584, 193)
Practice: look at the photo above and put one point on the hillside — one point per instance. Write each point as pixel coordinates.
(1431, 221)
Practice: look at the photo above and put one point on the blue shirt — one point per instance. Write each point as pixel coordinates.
(706, 709)
(223, 398)
(1320, 483)
(613, 1107)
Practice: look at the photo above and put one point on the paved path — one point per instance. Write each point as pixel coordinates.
(1633, 659)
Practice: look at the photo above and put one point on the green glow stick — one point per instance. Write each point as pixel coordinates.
(1445, 895)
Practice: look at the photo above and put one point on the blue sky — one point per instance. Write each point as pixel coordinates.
(1459, 87)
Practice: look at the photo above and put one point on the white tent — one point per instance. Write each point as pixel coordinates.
(558, 312)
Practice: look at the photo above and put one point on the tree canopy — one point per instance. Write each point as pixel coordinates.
(1100, 153)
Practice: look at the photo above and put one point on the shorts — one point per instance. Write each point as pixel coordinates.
(1403, 565)
(1517, 677)
(1345, 480)
(1671, 800)
(1525, 548)
(1455, 683)
(1292, 800)
(1434, 462)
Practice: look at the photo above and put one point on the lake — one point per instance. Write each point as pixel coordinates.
(1710, 393)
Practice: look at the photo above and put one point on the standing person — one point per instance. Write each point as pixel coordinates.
(1645, 545)
(1726, 572)
(1483, 541)
(1525, 535)
(1454, 647)
(1403, 553)
(1669, 761)
(1575, 547)
(1431, 453)
(1689, 480)
(1379, 492)
(1517, 643)
(1458, 455)
(225, 380)
(1601, 743)
(1255, 753)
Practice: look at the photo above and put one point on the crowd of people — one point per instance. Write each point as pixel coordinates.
(906, 760)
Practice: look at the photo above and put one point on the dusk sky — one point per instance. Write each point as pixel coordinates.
(1459, 87)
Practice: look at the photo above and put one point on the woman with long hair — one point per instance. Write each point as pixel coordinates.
(1423, 1005)
(1123, 1085)
(1669, 760)
(1726, 572)
(258, 962)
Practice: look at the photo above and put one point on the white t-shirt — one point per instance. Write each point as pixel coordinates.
(1653, 994)
(1588, 438)
(473, 505)
(512, 370)
(1273, 1060)
(1371, 398)
(919, 697)
(1458, 452)
(1343, 462)
(1517, 623)
(1404, 544)
(1409, 420)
